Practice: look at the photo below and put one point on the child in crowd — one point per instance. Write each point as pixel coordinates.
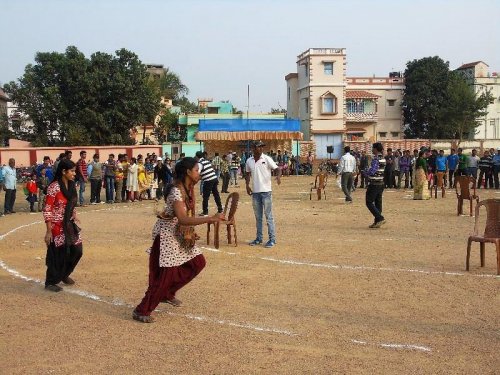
(42, 184)
(31, 192)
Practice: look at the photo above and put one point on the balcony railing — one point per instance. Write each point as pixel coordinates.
(361, 117)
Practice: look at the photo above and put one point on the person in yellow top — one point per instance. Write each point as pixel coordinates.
(142, 177)
(119, 176)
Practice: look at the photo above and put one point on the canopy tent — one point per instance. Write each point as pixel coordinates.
(251, 129)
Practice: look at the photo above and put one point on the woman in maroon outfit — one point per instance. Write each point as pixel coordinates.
(174, 259)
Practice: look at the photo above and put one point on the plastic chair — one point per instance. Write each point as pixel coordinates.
(491, 231)
(231, 206)
(463, 189)
(319, 185)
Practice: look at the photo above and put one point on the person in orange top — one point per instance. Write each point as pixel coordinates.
(32, 191)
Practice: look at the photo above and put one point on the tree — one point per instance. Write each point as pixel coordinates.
(168, 121)
(170, 85)
(425, 93)
(462, 109)
(5, 133)
(72, 100)
(187, 106)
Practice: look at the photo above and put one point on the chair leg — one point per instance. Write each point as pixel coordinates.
(208, 234)
(319, 194)
(216, 235)
(236, 236)
(467, 259)
(460, 206)
(470, 208)
(228, 227)
(443, 192)
(482, 252)
(497, 243)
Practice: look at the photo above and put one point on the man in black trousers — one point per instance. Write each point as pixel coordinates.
(210, 182)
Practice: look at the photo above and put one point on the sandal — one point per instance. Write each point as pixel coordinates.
(142, 318)
(174, 302)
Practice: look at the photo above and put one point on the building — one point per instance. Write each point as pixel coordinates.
(478, 76)
(333, 108)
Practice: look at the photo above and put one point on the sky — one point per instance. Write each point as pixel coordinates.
(218, 47)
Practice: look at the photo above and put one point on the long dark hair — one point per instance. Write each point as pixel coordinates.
(181, 169)
(64, 164)
(70, 234)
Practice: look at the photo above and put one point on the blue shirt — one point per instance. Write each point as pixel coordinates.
(1, 175)
(496, 160)
(452, 161)
(441, 163)
(10, 178)
(49, 173)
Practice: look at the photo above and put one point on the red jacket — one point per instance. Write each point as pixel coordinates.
(31, 186)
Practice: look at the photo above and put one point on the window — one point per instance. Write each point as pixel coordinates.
(328, 68)
(355, 136)
(391, 102)
(395, 134)
(355, 106)
(288, 93)
(382, 134)
(329, 104)
(306, 67)
(306, 105)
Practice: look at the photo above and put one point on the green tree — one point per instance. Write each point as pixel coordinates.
(167, 122)
(187, 106)
(425, 93)
(170, 85)
(463, 108)
(74, 100)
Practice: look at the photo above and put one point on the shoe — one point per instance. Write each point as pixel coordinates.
(12, 212)
(202, 214)
(270, 244)
(174, 302)
(93, 203)
(255, 242)
(348, 201)
(377, 224)
(142, 318)
(68, 281)
(53, 288)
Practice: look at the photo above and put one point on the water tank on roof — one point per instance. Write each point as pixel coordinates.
(395, 74)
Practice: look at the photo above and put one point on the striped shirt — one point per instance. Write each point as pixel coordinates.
(376, 172)
(207, 172)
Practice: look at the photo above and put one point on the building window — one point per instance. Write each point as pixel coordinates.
(328, 68)
(382, 134)
(355, 137)
(306, 67)
(391, 102)
(355, 106)
(329, 104)
(306, 105)
(395, 134)
(288, 93)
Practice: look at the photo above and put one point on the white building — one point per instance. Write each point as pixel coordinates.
(477, 74)
(333, 108)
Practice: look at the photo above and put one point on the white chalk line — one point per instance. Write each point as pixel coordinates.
(118, 302)
(394, 346)
(354, 268)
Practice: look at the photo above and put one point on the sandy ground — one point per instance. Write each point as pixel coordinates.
(332, 297)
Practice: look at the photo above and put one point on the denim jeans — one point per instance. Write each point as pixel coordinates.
(263, 203)
(234, 176)
(374, 200)
(110, 188)
(346, 183)
(81, 184)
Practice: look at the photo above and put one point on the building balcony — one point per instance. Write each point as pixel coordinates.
(361, 117)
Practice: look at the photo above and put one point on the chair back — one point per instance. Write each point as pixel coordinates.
(322, 177)
(231, 206)
(463, 187)
(492, 225)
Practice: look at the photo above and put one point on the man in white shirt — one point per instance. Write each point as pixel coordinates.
(259, 168)
(347, 167)
(10, 181)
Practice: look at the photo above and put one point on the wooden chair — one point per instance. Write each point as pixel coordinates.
(319, 184)
(440, 184)
(491, 231)
(463, 189)
(229, 214)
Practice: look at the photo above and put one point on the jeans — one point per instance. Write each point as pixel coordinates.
(374, 200)
(225, 182)
(496, 171)
(388, 178)
(234, 176)
(95, 190)
(81, 192)
(407, 179)
(110, 188)
(346, 183)
(488, 179)
(472, 172)
(210, 187)
(10, 199)
(263, 202)
(123, 193)
(451, 180)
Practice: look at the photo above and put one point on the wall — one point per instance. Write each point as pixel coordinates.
(223, 147)
(30, 155)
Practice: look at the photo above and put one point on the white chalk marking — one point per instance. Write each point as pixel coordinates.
(118, 302)
(395, 346)
(355, 268)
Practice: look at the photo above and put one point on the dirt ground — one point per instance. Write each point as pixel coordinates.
(332, 297)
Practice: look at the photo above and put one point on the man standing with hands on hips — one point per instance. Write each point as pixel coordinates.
(259, 168)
